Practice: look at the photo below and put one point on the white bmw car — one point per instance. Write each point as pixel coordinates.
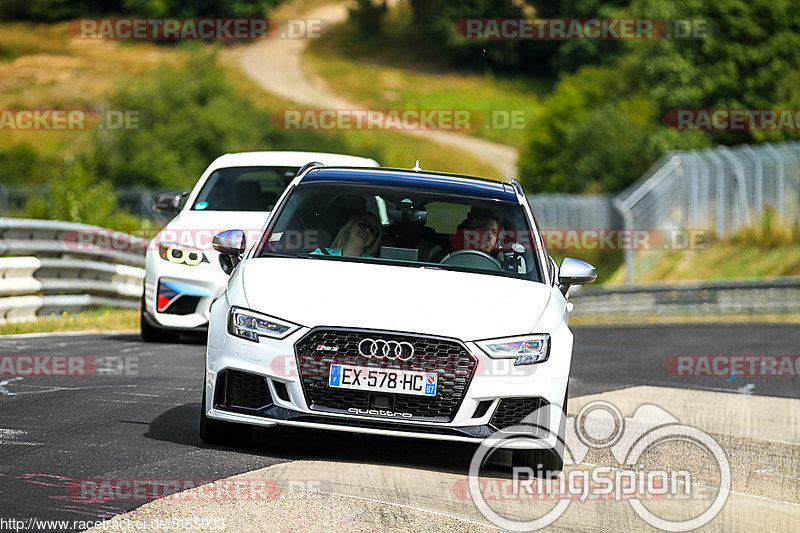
(393, 302)
(182, 270)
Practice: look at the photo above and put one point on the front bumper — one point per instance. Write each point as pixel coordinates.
(285, 400)
(202, 284)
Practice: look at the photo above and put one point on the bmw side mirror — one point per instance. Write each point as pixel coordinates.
(574, 272)
(170, 202)
(230, 245)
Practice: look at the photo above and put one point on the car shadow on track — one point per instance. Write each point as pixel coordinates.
(181, 425)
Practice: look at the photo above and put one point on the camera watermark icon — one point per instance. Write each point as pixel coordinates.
(601, 425)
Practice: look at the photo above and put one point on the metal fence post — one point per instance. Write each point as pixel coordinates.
(719, 171)
(781, 177)
(3, 200)
(758, 174)
(738, 172)
(627, 224)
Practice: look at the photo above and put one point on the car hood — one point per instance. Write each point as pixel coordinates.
(325, 292)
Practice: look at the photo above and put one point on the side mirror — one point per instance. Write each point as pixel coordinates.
(574, 272)
(230, 245)
(170, 201)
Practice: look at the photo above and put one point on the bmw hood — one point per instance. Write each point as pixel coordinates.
(197, 228)
(323, 292)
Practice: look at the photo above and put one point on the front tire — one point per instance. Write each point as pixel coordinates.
(221, 432)
(545, 463)
(548, 462)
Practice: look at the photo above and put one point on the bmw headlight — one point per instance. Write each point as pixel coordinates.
(527, 350)
(251, 325)
(181, 254)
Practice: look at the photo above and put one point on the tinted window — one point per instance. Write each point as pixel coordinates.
(415, 227)
(244, 188)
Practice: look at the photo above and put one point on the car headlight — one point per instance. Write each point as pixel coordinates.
(527, 350)
(181, 254)
(251, 325)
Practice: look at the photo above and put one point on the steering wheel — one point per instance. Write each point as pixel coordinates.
(471, 259)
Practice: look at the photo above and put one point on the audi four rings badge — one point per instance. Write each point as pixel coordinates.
(386, 349)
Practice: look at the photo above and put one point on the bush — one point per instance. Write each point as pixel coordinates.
(436, 19)
(76, 195)
(769, 231)
(53, 10)
(593, 135)
(368, 16)
(603, 126)
(189, 116)
(21, 164)
(201, 8)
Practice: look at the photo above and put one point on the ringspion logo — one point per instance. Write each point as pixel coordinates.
(638, 443)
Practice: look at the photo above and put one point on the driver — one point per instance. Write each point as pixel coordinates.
(478, 232)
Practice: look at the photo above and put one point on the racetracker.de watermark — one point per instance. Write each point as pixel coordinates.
(562, 240)
(53, 366)
(202, 490)
(206, 29)
(399, 119)
(595, 29)
(733, 119)
(69, 119)
(749, 366)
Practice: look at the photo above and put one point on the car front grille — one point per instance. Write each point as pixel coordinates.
(322, 347)
(520, 411)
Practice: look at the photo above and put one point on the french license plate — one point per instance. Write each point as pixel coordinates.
(383, 380)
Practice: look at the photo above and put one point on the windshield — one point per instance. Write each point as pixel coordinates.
(406, 227)
(243, 188)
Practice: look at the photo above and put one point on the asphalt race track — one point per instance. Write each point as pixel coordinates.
(137, 418)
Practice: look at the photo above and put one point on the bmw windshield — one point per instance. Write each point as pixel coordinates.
(405, 226)
(243, 188)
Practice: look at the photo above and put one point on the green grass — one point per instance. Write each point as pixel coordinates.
(100, 319)
(53, 71)
(782, 318)
(400, 70)
(42, 67)
(606, 262)
(721, 260)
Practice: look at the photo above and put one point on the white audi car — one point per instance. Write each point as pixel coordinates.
(182, 270)
(393, 302)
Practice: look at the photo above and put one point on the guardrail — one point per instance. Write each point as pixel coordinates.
(49, 266)
(742, 296)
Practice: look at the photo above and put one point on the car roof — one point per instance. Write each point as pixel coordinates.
(287, 159)
(441, 182)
